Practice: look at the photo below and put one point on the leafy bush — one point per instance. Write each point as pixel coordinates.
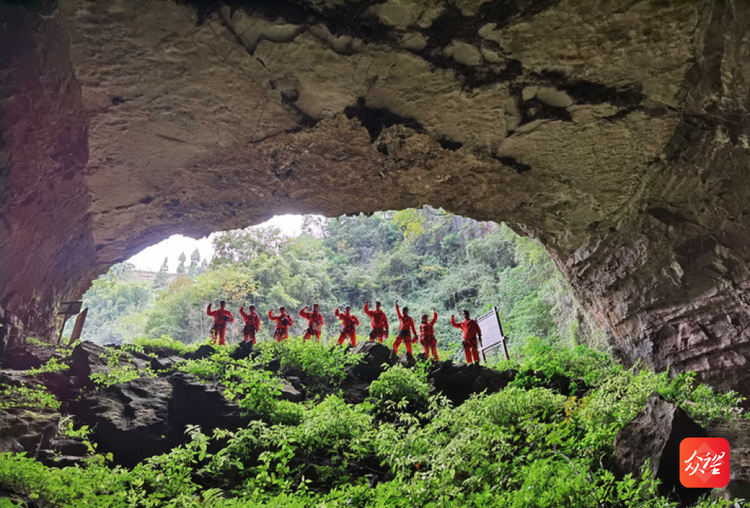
(116, 372)
(322, 363)
(163, 343)
(397, 384)
(27, 398)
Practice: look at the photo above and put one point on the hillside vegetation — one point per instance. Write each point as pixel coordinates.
(405, 445)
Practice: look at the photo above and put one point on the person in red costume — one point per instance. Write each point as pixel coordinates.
(472, 336)
(221, 317)
(314, 322)
(349, 324)
(378, 322)
(252, 324)
(427, 335)
(405, 330)
(283, 322)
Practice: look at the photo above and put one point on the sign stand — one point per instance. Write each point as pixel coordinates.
(68, 309)
(493, 337)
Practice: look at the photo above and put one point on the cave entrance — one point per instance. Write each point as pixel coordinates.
(424, 258)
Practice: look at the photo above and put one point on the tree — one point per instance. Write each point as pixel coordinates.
(195, 259)
(161, 281)
(181, 267)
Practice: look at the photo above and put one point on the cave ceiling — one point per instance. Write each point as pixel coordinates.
(615, 131)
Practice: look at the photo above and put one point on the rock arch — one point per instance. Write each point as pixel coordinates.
(616, 132)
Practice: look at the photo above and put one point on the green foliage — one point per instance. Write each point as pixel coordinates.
(118, 369)
(255, 390)
(53, 365)
(21, 397)
(321, 362)
(163, 343)
(397, 384)
(522, 447)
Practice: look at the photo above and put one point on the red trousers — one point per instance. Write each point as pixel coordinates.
(430, 346)
(351, 335)
(471, 350)
(248, 333)
(309, 333)
(280, 334)
(406, 341)
(218, 332)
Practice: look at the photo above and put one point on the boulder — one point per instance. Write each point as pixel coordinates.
(204, 351)
(23, 430)
(737, 433)
(458, 383)
(407, 360)
(295, 372)
(196, 403)
(130, 420)
(165, 363)
(376, 358)
(273, 366)
(63, 452)
(20, 355)
(88, 358)
(290, 393)
(243, 350)
(295, 382)
(655, 434)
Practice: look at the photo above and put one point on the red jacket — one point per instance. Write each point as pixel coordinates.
(469, 328)
(405, 322)
(347, 319)
(428, 329)
(378, 319)
(283, 321)
(312, 317)
(219, 315)
(253, 318)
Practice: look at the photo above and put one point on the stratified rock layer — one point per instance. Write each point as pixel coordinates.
(616, 132)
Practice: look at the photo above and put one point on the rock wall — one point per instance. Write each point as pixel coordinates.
(614, 131)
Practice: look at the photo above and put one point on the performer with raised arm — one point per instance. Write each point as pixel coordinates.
(283, 322)
(349, 324)
(221, 317)
(252, 323)
(427, 335)
(405, 330)
(378, 322)
(472, 336)
(314, 322)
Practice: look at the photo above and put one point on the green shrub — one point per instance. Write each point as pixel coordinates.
(321, 362)
(20, 397)
(398, 385)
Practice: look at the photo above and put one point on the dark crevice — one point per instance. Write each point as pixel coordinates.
(519, 166)
(588, 92)
(146, 200)
(447, 144)
(375, 119)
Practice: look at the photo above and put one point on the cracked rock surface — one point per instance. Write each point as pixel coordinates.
(615, 131)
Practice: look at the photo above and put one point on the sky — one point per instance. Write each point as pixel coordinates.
(151, 258)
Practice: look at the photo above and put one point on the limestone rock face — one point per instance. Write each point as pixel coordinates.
(614, 131)
(655, 434)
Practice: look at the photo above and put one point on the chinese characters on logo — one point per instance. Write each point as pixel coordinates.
(704, 462)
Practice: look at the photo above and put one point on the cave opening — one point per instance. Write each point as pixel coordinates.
(425, 258)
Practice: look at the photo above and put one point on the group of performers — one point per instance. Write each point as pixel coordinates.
(407, 333)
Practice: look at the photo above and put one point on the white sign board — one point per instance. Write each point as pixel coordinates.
(492, 333)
